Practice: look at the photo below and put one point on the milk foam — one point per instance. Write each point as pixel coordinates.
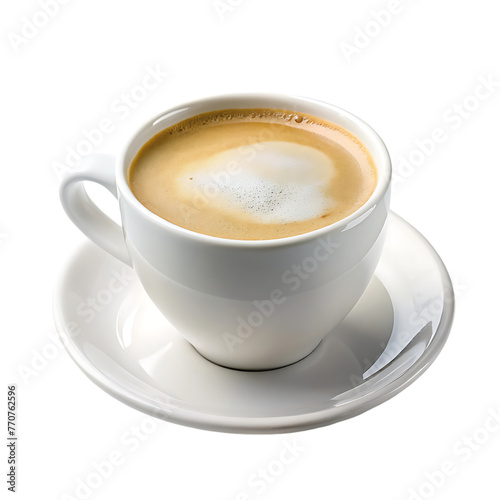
(271, 182)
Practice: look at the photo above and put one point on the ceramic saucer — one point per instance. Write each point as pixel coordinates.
(119, 339)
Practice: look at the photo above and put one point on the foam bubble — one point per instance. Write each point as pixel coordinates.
(271, 182)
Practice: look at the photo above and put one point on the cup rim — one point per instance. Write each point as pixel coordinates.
(384, 168)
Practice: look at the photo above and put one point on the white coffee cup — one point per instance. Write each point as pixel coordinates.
(250, 305)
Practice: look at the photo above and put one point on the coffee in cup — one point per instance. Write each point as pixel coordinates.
(253, 174)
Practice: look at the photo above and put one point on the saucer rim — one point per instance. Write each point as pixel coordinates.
(261, 425)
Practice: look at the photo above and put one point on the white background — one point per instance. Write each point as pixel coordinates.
(405, 82)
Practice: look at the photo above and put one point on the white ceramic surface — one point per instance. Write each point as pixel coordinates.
(242, 304)
(120, 340)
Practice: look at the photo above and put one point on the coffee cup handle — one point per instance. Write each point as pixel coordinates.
(84, 213)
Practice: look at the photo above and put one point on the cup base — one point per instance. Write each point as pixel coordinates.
(258, 369)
